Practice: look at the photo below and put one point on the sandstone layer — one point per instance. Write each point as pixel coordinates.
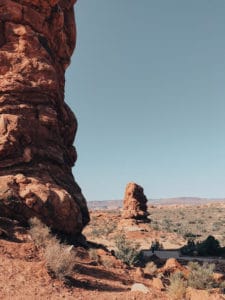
(37, 128)
(135, 203)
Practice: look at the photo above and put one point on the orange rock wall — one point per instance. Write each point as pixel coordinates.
(37, 128)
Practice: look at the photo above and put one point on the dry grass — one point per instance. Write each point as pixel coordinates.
(177, 288)
(103, 230)
(59, 258)
(201, 277)
(40, 233)
(93, 255)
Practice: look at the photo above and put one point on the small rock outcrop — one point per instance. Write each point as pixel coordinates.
(135, 203)
(172, 266)
(37, 128)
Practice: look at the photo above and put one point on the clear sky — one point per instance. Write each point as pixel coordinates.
(147, 84)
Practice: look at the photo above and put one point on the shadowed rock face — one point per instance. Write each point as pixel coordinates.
(37, 128)
(135, 203)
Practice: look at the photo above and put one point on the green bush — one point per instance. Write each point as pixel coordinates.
(127, 251)
(209, 246)
(189, 249)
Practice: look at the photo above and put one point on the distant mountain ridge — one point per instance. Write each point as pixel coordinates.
(114, 204)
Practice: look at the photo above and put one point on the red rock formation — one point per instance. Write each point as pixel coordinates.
(37, 128)
(173, 266)
(135, 203)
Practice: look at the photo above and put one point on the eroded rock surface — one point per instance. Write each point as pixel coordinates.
(37, 128)
(135, 203)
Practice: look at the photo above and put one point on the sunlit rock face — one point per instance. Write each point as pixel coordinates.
(135, 203)
(37, 128)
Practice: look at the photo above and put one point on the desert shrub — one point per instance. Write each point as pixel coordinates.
(150, 268)
(109, 228)
(192, 222)
(96, 231)
(201, 277)
(188, 249)
(166, 224)
(177, 288)
(200, 221)
(40, 233)
(158, 246)
(154, 225)
(59, 258)
(93, 255)
(107, 262)
(178, 224)
(162, 236)
(126, 251)
(222, 287)
(210, 246)
(103, 230)
(217, 225)
(189, 235)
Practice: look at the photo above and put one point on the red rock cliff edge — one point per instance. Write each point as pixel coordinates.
(37, 128)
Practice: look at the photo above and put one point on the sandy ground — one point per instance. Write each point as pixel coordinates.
(23, 276)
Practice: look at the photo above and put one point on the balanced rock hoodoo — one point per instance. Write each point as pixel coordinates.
(37, 128)
(135, 203)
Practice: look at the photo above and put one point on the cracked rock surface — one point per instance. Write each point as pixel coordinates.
(37, 128)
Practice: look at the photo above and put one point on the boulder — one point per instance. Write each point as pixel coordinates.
(139, 273)
(37, 128)
(173, 266)
(157, 283)
(139, 287)
(219, 277)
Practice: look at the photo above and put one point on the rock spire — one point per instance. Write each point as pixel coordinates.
(135, 203)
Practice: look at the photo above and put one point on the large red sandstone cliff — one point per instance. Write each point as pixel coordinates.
(37, 128)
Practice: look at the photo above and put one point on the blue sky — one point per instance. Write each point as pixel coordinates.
(147, 84)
